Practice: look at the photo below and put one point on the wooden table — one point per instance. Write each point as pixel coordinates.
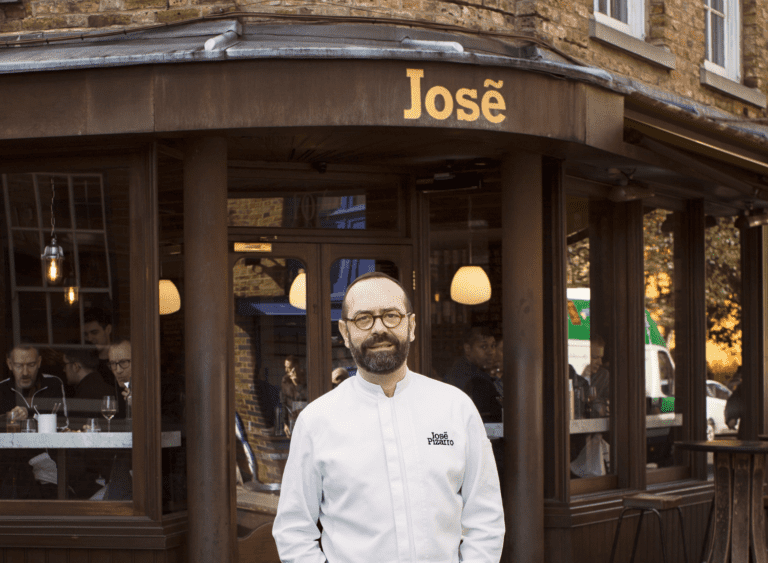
(63, 441)
(739, 530)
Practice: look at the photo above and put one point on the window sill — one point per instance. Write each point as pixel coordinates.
(733, 89)
(632, 45)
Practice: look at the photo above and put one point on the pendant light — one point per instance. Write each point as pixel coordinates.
(53, 255)
(470, 285)
(71, 294)
(170, 300)
(297, 296)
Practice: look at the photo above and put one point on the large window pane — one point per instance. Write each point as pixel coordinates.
(71, 338)
(590, 348)
(723, 288)
(661, 232)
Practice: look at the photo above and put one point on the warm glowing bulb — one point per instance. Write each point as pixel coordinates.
(53, 271)
(70, 295)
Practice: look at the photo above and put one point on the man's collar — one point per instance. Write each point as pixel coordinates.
(374, 389)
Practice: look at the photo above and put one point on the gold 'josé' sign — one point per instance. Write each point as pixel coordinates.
(491, 103)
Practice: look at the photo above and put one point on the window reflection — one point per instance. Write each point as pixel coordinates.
(661, 236)
(590, 351)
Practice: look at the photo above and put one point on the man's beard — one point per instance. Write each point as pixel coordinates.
(381, 362)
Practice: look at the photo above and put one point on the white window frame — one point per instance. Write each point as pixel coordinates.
(732, 41)
(635, 25)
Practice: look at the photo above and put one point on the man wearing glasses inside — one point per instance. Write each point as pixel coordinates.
(394, 465)
(120, 364)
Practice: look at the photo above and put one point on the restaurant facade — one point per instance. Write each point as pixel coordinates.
(262, 166)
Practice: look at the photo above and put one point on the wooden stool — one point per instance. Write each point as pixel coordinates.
(646, 502)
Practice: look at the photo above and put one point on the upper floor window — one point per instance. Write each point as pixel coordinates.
(723, 38)
(627, 16)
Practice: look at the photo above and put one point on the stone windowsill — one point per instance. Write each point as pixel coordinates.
(632, 45)
(731, 88)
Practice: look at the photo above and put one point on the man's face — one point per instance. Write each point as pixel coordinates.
(379, 349)
(97, 335)
(481, 352)
(596, 353)
(24, 365)
(121, 354)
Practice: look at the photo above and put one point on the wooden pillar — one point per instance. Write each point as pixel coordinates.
(210, 488)
(752, 335)
(522, 219)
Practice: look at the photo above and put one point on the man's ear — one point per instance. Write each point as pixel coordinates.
(108, 332)
(412, 327)
(344, 332)
(10, 363)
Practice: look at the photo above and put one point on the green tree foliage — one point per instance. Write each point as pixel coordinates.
(723, 275)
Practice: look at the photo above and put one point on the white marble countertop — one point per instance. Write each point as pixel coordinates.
(83, 440)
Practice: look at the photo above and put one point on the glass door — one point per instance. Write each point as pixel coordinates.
(286, 304)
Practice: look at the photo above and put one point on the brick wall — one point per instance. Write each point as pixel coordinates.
(677, 25)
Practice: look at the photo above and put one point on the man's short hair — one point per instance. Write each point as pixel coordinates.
(83, 356)
(373, 276)
(97, 314)
(22, 346)
(475, 333)
(119, 342)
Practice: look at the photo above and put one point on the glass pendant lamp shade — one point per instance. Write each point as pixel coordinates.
(170, 300)
(297, 296)
(52, 257)
(470, 286)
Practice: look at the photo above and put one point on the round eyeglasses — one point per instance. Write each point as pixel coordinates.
(390, 319)
(122, 363)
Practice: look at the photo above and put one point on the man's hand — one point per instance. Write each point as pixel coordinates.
(16, 413)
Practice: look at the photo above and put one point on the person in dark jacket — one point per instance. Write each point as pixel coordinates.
(20, 394)
(25, 388)
(88, 387)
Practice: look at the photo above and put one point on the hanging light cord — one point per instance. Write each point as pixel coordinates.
(53, 218)
(469, 220)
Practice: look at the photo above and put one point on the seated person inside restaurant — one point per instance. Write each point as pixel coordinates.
(87, 387)
(120, 363)
(479, 348)
(23, 473)
(471, 372)
(97, 329)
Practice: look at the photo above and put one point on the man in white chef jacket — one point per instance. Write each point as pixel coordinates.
(395, 466)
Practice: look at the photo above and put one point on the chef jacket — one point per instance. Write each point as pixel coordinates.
(408, 478)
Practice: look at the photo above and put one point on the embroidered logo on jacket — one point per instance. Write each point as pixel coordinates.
(439, 440)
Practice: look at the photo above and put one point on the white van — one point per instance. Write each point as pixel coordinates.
(659, 367)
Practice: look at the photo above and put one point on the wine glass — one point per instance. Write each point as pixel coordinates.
(109, 409)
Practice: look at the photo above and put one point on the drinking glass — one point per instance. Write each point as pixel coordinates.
(109, 409)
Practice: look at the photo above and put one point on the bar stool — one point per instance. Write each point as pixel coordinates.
(646, 502)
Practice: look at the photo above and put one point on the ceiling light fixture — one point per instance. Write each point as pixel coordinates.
(53, 255)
